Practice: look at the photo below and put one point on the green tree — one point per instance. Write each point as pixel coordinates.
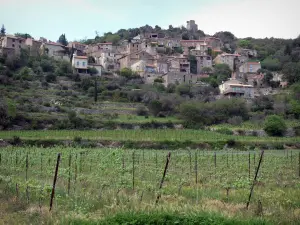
(63, 40)
(245, 44)
(274, 125)
(271, 64)
(2, 31)
(23, 35)
(291, 72)
(155, 107)
(93, 71)
(4, 119)
(193, 64)
(128, 73)
(183, 89)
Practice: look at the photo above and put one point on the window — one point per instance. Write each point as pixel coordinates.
(20, 42)
(133, 45)
(250, 68)
(19, 46)
(13, 45)
(83, 64)
(77, 63)
(13, 40)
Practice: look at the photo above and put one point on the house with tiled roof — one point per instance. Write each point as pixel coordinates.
(80, 63)
(11, 45)
(250, 67)
(226, 58)
(55, 50)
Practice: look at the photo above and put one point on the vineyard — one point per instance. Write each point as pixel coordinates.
(102, 182)
(141, 135)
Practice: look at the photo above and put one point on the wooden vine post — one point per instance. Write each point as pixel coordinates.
(69, 177)
(163, 177)
(133, 159)
(255, 178)
(54, 181)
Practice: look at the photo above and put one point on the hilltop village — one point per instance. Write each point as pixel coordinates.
(156, 56)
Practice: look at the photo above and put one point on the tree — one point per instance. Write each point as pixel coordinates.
(23, 35)
(207, 70)
(193, 64)
(63, 40)
(2, 31)
(4, 118)
(183, 89)
(291, 72)
(245, 44)
(155, 107)
(93, 71)
(271, 64)
(274, 126)
(128, 73)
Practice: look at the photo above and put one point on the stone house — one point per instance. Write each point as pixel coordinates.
(179, 64)
(249, 67)
(214, 43)
(80, 63)
(226, 58)
(109, 61)
(34, 46)
(180, 78)
(255, 79)
(78, 46)
(132, 58)
(236, 88)
(55, 50)
(203, 61)
(12, 45)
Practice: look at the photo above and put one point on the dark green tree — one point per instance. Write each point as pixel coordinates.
(23, 35)
(2, 31)
(63, 40)
(274, 126)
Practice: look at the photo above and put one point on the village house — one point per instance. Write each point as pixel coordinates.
(255, 79)
(179, 64)
(180, 78)
(109, 61)
(236, 88)
(11, 45)
(55, 50)
(214, 43)
(249, 67)
(77, 46)
(226, 58)
(203, 61)
(34, 46)
(80, 63)
(128, 60)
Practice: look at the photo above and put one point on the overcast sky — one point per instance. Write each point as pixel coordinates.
(80, 19)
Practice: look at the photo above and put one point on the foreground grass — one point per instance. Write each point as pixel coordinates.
(143, 135)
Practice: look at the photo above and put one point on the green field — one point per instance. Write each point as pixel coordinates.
(96, 184)
(142, 135)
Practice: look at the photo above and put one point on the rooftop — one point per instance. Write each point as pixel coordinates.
(80, 57)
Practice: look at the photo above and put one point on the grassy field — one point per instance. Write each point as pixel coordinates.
(143, 135)
(248, 125)
(96, 184)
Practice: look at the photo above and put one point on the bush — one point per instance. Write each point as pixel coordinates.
(225, 131)
(236, 120)
(275, 126)
(50, 77)
(155, 107)
(142, 111)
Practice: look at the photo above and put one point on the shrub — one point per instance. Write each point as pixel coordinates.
(236, 120)
(77, 139)
(50, 77)
(225, 131)
(142, 111)
(274, 126)
(155, 107)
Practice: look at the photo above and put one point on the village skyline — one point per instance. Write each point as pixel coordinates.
(83, 18)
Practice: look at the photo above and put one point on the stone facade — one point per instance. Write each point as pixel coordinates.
(235, 88)
(191, 25)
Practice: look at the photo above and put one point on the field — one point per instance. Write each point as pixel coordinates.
(95, 184)
(142, 135)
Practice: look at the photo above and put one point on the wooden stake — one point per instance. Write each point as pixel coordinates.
(249, 165)
(54, 181)
(196, 167)
(255, 178)
(69, 177)
(163, 177)
(133, 159)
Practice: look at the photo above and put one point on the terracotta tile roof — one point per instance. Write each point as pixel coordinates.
(54, 43)
(80, 57)
(108, 43)
(191, 40)
(253, 62)
(149, 65)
